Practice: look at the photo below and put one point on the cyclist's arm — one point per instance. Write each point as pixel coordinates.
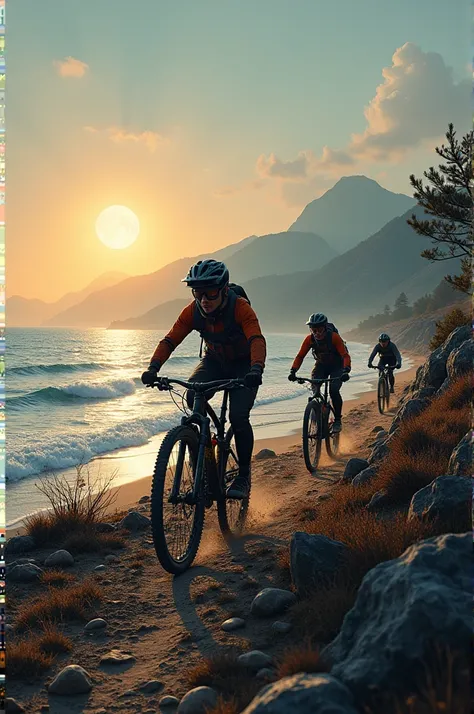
(373, 353)
(246, 317)
(397, 354)
(181, 329)
(341, 348)
(304, 349)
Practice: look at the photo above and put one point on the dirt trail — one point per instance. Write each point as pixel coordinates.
(169, 623)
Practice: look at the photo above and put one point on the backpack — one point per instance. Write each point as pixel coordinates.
(238, 289)
(230, 333)
(330, 328)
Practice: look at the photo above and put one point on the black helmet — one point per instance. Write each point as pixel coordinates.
(208, 273)
(383, 337)
(317, 319)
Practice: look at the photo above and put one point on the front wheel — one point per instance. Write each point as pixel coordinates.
(231, 512)
(332, 438)
(381, 394)
(312, 435)
(176, 522)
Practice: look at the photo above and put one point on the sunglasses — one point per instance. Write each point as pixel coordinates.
(208, 293)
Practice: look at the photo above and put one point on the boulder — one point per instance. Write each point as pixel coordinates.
(460, 463)
(313, 560)
(446, 499)
(71, 680)
(410, 409)
(402, 605)
(460, 360)
(198, 701)
(304, 694)
(365, 476)
(380, 451)
(134, 521)
(59, 559)
(255, 660)
(265, 454)
(354, 467)
(378, 502)
(27, 573)
(272, 601)
(19, 544)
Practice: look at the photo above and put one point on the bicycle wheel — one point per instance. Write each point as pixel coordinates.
(381, 394)
(312, 435)
(177, 528)
(387, 393)
(331, 438)
(231, 512)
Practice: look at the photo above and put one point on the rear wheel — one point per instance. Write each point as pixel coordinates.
(332, 438)
(231, 512)
(387, 393)
(381, 394)
(176, 526)
(312, 435)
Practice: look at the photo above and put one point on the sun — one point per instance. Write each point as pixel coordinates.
(117, 227)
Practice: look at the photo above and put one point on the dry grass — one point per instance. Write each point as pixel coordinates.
(30, 657)
(320, 615)
(225, 707)
(59, 604)
(236, 685)
(302, 658)
(89, 541)
(57, 578)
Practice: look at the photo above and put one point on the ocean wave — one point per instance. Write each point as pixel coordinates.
(68, 450)
(68, 394)
(27, 370)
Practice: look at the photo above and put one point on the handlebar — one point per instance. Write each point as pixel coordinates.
(219, 385)
(302, 380)
(381, 369)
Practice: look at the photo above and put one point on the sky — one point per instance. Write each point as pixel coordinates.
(211, 120)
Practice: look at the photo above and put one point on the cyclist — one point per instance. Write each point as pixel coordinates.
(234, 347)
(332, 360)
(389, 355)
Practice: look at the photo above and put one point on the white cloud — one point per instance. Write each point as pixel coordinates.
(70, 67)
(118, 135)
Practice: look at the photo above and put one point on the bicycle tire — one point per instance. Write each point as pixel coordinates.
(231, 525)
(188, 436)
(332, 439)
(381, 394)
(312, 415)
(387, 394)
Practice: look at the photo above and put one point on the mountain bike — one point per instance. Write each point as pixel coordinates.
(383, 387)
(196, 462)
(318, 424)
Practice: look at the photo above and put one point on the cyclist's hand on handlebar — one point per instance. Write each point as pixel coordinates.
(253, 378)
(370, 365)
(149, 376)
(398, 366)
(345, 377)
(292, 376)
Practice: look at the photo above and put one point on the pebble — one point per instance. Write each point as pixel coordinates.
(234, 623)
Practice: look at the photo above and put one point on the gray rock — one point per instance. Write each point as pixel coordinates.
(117, 657)
(365, 476)
(152, 686)
(106, 527)
(353, 467)
(71, 680)
(313, 560)
(111, 559)
(447, 499)
(13, 706)
(59, 559)
(281, 627)
(134, 521)
(266, 674)
(460, 361)
(19, 544)
(460, 463)
(378, 501)
(144, 499)
(410, 409)
(424, 595)
(272, 601)
(380, 451)
(255, 660)
(168, 703)
(304, 694)
(376, 429)
(97, 624)
(24, 573)
(265, 454)
(234, 623)
(99, 568)
(198, 701)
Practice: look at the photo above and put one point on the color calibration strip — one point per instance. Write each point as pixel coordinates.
(2, 354)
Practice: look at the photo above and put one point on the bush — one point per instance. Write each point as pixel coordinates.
(59, 604)
(302, 658)
(236, 685)
(444, 327)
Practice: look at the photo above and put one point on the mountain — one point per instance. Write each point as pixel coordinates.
(254, 257)
(355, 208)
(26, 312)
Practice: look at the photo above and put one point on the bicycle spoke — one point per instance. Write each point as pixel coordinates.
(178, 517)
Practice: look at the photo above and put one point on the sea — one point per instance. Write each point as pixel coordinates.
(74, 396)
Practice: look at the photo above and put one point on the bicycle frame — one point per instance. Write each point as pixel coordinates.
(319, 382)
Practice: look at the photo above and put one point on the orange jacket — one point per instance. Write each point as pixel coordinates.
(245, 318)
(337, 351)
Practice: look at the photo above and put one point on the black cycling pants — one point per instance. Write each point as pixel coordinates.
(391, 362)
(322, 371)
(240, 403)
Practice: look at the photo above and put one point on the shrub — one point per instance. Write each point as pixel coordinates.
(59, 604)
(444, 327)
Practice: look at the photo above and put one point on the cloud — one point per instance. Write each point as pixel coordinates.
(273, 167)
(70, 67)
(150, 139)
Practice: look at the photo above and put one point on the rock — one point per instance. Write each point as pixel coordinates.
(99, 568)
(97, 624)
(378, 501)
(402, 605)
(144, 499)
(134, 521)
(106, 527)
(19, 544)
(10, 632)
(117, 657)
(381, 434)
(111, 559)
(272, 601)
(152, 686)
(460, 360)
(24, 573)
(168, 703)
(59, 559)
(460, 463)
(353, 467)
(13, 706)
(380, 451)
(234, 623)
(447, 498)
(377, 429)
(410, 409)
(281, 627)
(265, 673)
(304, 694)
(265, 454)
(71, 680)
(198, 701)
(254, 660)
(313, 560)
(365, 476)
